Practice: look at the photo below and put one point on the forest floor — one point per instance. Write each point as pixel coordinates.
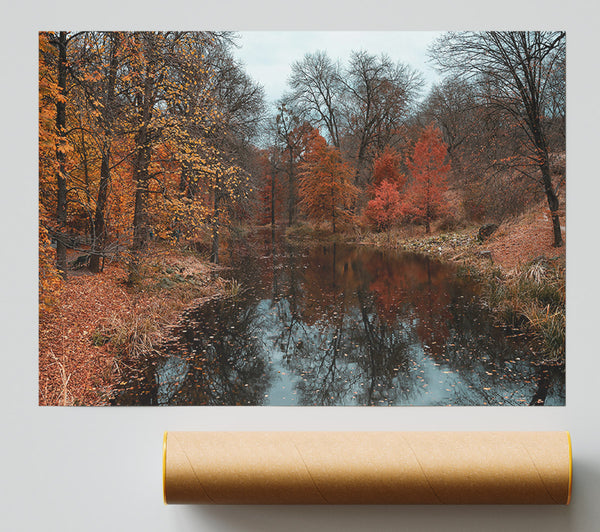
(101, 324)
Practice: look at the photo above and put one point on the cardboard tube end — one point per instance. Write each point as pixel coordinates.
(164, 467)
(570, 467)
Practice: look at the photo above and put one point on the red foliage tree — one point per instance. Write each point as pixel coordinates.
(326, 189)
(424, 200)
(387, 166)
(385, 208)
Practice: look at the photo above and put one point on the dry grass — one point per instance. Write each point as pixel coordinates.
(63, 396)
(167, 285)
(532, 297)
(100, 324)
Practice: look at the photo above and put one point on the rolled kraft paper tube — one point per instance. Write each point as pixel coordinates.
(367, 467)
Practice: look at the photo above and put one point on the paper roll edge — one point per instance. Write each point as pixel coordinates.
(164, 466)
(570, 467)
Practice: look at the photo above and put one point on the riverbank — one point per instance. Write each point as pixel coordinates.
(523, 275)
(101, 325)
(524, 283)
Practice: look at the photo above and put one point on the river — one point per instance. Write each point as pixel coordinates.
(336, 324)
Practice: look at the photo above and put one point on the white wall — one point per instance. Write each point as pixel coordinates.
(98, 469)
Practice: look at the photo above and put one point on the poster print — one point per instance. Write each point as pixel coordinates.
(302, 218)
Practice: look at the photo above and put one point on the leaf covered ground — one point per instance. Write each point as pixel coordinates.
(515, 243)
(100, 324)
(72, 370)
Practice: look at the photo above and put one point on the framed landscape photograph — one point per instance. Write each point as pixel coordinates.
(302, 218)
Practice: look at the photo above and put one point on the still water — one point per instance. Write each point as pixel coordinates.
(344, 325)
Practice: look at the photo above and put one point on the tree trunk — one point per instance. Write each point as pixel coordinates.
(272, 201)
(553, 202)
(140, 216)
(86, 175)
(183, 179)
(333, 209)
(534, 123)
(360, 160)
(539, 139)
(103, 189)
(61, 181)
(214, 254)
(140, 222)
(273, 207)
(187, 181)
(558, 241)
(291, 190)
(141, 168)
(99, 218)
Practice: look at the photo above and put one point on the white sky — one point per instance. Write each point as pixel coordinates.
(268, 55)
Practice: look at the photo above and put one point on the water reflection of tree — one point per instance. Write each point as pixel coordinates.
(353, 326)
(383, 355)
(430, 286)
(313, 333)
(340, 346)
(221, 344)
(490, 366)
(319, 359)
(388, 282)
(458, 335)
(524, 384)
(325, 283)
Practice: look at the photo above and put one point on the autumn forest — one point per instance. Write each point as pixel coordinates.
(369, 238)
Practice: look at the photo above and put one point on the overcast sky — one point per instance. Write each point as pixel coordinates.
(268, 55)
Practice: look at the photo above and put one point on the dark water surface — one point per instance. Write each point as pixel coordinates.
(344, 325)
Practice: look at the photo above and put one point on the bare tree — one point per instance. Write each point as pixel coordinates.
(452, 106)
(518, 73)
(240, 99)
(378, 96)
(316, 91)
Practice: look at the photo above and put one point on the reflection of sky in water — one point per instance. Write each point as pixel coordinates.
(348, 326)
(283, 385)
(436, 383)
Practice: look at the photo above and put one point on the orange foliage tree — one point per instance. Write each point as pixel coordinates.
(424, 200)
(326, 189)
(143, 135)
(49, 278)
